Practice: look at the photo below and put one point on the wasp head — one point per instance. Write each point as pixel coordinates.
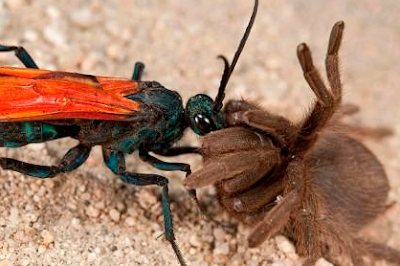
(203, 116)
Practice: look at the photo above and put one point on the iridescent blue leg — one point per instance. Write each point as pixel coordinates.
(74, 158)
(21, 53)
(116, 162)
(138, 71)
(166, 166)
(175, 151)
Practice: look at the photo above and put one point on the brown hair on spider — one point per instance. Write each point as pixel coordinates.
(318, 187)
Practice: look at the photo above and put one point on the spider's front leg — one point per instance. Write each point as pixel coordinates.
(238, 164)
(295, 207)
(234, 106)
(279, 215)
(328, 101)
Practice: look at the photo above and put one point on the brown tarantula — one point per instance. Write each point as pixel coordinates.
(317, 187)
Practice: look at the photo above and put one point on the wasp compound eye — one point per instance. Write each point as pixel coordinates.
(204, 124)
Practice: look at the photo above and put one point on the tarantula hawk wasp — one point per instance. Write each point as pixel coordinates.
(120, 115)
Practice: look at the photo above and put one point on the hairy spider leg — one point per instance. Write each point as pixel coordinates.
(328, 101)
(380, 251)
(274, 221)
(74, 158)
(115, 160)
(21, 53)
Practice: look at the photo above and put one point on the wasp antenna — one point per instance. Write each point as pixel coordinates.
(221, 91)
(229, 69)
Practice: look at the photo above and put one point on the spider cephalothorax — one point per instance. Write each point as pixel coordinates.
(318, 187)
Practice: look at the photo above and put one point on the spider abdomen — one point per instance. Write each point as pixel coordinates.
(349, 178)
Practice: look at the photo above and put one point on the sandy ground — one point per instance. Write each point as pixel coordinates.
(89, 217)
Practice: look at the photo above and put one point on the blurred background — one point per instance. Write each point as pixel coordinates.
(88, 217)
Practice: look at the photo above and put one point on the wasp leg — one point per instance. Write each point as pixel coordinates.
(175, 151)
(116, 162)
(74, 158)
(138, 71)
(151, 179)
(166, 166)
(21, 53)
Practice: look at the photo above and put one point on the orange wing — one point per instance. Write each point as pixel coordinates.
(33, 94)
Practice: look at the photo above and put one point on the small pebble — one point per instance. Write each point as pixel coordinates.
(221, 259)
(15, 4)
(278, 263)
(75, 222)
(221, 249)
(49, 184)
(88, 64)
(130, 221)
(92, 256)
(98, 193)
(91, 211)
(31, 36)
(192, 251)
(100, 205)
(323, 262)
(118, 254)
(82, 188)
(54, 35)
(21, 237)
(121, 206)
(284, 245)
(86, 196)
(236, 260)
(115, 215)
(25, 262)
(5, 263)
(30, 232)
(53, 12)
(32, 217)
(82, 17)
(219, 234)
(114, 51)
(48, 238)
(34, 187)
(146, 198)
(72, 205)
(13, 218)
(194, 241)
(42, 249)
